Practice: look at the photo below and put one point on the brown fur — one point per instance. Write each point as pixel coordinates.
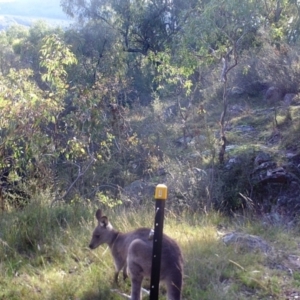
(132, 252)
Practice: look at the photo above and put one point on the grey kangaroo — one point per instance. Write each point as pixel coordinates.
(132, 252)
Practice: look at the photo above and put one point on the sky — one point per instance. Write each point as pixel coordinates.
(32, 8)
(26, 12)
(37, 1)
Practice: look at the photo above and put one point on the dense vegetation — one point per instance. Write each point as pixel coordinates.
(187, 93)
(83, 111)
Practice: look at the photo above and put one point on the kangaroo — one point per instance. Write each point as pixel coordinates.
(132, 252)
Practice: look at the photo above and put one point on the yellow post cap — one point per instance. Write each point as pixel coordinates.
(161, 192)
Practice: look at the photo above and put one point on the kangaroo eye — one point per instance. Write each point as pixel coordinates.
(97, 236)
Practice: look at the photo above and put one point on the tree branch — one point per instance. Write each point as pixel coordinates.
(79, 175)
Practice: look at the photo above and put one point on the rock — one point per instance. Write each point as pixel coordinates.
(288, 98)
(294, 158)
(232, 162)
(275, 176)
(246, 242)
(273, 95)
(261, 158)
(265, 166)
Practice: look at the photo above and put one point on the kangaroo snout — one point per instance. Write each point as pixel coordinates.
(93, 245)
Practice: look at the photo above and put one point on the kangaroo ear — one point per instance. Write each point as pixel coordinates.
(104, 221)
(98, 214)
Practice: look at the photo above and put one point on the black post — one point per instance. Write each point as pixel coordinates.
(160, 196)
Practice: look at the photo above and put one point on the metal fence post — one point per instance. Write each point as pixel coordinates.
(161, 193)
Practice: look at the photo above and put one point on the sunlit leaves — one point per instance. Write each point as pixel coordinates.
(24, 111)
(170, 72)
(55, 57)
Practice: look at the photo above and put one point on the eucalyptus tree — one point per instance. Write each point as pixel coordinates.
(28, 113)
(21, 46)
(282, 18)
(139, 28)
(7, 57)
(143, 25)
(98, 52)
(11, 44)
(215, 35)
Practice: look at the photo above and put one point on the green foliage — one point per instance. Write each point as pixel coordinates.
(143, 25)
(220, 28)
(67, 115)
(31, 226)
(174, 75)
(99, 53)
(69, 129)
(107, 202)
(55, 56)
(23, 111)
(16, 33)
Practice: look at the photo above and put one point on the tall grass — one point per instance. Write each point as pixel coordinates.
(44, 255)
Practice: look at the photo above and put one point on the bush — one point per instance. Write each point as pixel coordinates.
(37, 225)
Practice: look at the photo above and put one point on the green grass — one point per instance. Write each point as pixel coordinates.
(44, 255)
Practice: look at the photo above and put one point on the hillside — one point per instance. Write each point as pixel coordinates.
(27, 12)
(201, 97)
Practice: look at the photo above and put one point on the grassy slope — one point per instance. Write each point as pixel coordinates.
(44, 255)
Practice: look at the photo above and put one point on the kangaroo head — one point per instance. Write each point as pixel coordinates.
(103, 233)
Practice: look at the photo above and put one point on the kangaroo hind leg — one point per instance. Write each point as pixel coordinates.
(174, 288)
(135, 273)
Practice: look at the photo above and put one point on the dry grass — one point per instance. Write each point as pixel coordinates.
(62, 267)
(44, 253)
